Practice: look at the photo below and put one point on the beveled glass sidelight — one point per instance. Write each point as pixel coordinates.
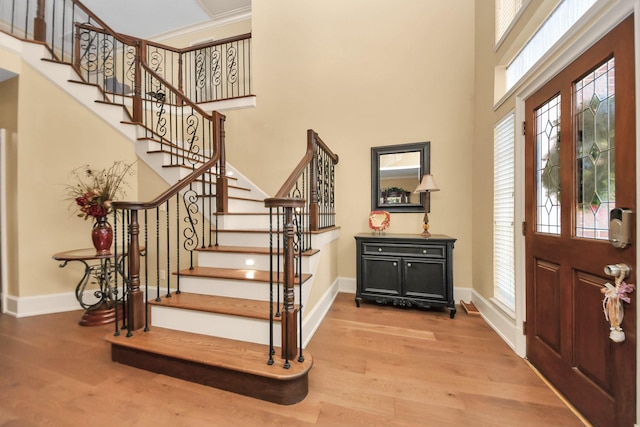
(548, 167)
(595, 151)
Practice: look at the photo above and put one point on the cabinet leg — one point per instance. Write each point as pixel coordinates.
(452, 313)
(358, 299)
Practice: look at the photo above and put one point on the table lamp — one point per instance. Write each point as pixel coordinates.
(427, 184)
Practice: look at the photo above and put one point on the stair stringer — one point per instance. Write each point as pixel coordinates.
(64, 76)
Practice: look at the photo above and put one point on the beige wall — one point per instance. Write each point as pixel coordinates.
(482, 149)
(363, 73)
(489, 88)
(54, 137)
(9, 121)
(8, 102)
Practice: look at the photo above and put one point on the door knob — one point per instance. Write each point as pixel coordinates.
(616, 270)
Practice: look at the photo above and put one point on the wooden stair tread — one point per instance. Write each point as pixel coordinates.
(249, 250)
(245, 199)
(259, 214)
(230, 354)
(243, 307)
(236, 274)
(266, 231)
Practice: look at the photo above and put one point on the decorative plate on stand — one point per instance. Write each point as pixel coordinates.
(379, 220)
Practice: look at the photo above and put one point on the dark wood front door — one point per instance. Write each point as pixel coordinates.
(580, 164)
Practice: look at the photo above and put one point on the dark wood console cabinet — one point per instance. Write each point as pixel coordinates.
(406, 270)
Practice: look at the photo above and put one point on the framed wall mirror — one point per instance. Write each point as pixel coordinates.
(396, 171)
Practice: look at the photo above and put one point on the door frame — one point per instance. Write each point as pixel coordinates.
(546, 69)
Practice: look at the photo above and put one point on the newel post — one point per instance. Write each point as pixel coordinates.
(289, 311)
(222, 181)
(180, 84)
(135, 300)
(289, 327)
(39, 24)
(141, 48)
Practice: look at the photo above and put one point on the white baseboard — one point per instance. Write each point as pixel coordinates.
(504, 326)
(41, 304)
(51, 303)
(347, 285)
(314, 318)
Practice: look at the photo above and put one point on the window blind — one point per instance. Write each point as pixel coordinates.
(506, 11)
(559, 22)
(503, 211)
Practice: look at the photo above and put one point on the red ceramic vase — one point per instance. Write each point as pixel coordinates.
(102, 236)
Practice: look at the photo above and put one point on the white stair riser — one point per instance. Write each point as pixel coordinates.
(214, 324)
(241, 205)
(236, 288)
(239, 192)
(243, 222)
(225, 288)
(243, 261)
(231, 238)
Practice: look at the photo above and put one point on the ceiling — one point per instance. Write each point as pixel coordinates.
(149, 18)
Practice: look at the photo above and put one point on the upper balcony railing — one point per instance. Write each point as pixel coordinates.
(206, 72)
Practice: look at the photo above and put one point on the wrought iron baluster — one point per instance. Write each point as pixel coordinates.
(299, 234)
(146, 272)
(26, 22)
(271, 314)
(115, 287)
(278, 272)
(189, 233)
(158, 299)
(168, 253)
(177, 243)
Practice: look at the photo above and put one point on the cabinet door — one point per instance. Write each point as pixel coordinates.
(425, 278)
(381, 275)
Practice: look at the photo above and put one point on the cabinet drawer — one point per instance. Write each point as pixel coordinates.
(429, 251)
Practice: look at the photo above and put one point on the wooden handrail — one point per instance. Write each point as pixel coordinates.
(324, 146)
(175, 188)
(294, 229)
(312, 140)
(104, 26)
(203, 45)
(136, 305)
(180, 95)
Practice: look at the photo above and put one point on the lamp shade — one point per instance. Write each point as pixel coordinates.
(427, 184)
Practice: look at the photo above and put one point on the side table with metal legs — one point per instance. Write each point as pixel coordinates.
(98, 296)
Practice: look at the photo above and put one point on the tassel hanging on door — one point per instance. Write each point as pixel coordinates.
(613, 308)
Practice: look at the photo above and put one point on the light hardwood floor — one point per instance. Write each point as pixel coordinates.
(373, 366)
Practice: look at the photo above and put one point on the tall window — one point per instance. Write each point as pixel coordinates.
(503, 211)
(506, 11)
(561, 20)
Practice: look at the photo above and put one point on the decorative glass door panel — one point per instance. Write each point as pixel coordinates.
(548, 167)
(595, 151)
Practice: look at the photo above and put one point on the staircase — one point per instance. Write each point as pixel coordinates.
(215, 331)
(217, 297)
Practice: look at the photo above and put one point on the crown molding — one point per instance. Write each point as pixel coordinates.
(219, 20)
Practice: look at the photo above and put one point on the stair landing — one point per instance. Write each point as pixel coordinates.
(235, 366)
